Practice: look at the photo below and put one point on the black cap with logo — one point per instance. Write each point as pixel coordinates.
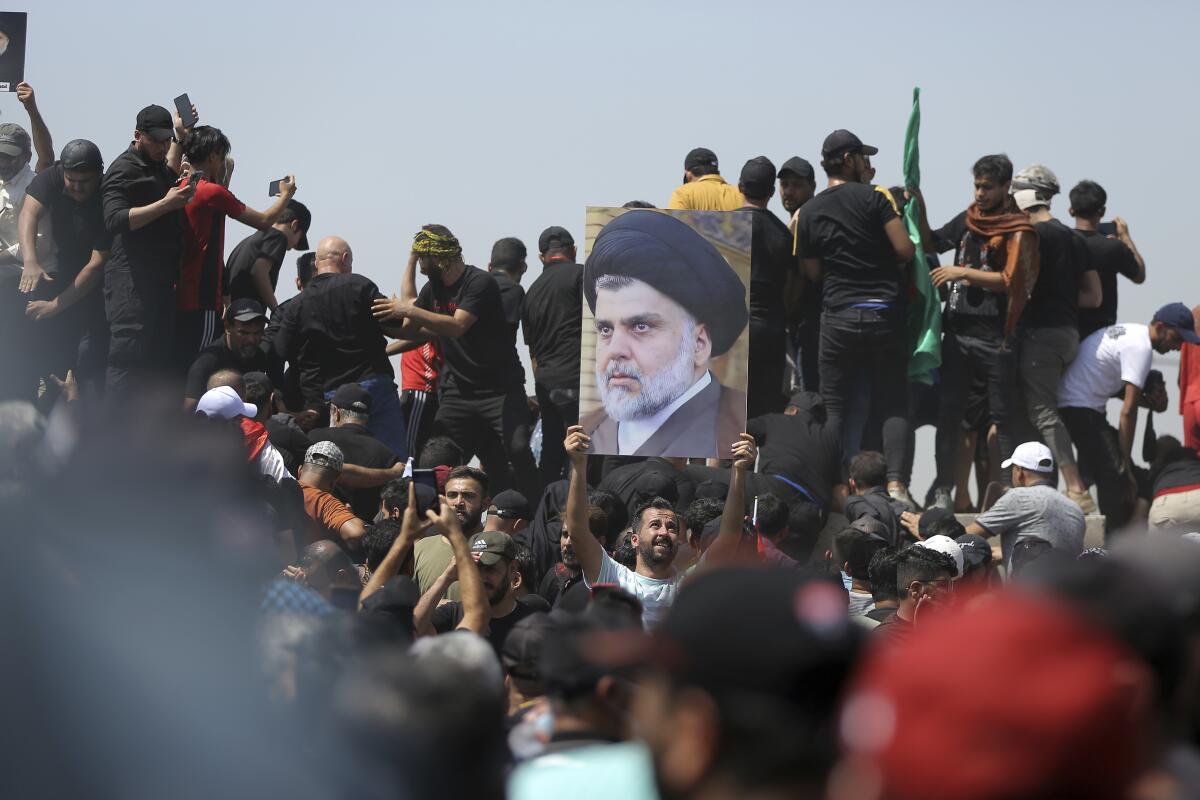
(155, 122)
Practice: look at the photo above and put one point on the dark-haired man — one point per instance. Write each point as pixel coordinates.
(797, 185)
(885, 598)
(1110, 256)
(853, 550)
(239, 349)
(771, 268)
(63, 301)
(1115, 362)
(467, 493)
(143, 203)
(200, 291)
(552, 325)
(703, 187)
(253, 269)
(483, 405)
(655, 532)
(507, 267)
(924, 578)
(995, 262)
(850, 237)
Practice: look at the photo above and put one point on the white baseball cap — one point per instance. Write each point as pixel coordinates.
(944, 544)
(1033, 456)
(223, 403)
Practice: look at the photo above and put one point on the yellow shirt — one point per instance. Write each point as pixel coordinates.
(707, 193)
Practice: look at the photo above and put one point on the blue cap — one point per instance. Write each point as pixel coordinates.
(1179, 317)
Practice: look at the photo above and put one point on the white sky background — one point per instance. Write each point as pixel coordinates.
(499, 119)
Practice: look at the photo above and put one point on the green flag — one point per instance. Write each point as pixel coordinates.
(924, 308)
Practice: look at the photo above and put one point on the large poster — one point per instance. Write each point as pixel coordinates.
(665, 335)
(12, 49)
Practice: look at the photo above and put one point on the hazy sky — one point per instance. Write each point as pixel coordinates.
(499, 119)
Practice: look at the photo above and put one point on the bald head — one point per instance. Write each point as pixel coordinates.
(334, 255)
(228, 377)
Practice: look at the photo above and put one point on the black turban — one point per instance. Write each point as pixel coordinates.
(667, 254)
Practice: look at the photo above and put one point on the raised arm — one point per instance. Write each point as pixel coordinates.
(1123, 235)
(410, 527)
(725, 548)
(43, 145)
(175, 151)
(423, 613)
(408, 284)
(265, 219)
(588, 549)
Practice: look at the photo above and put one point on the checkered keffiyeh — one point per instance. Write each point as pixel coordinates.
(285, 596)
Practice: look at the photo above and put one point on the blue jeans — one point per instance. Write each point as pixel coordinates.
(386, 420)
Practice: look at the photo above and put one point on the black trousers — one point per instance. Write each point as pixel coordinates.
(965, 359)
(496, 428)
(767, 363)
(560, 410)
(1098, 445)
(865, 349)
(141, 323)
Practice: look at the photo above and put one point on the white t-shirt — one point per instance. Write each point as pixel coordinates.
(656, 594)
(1107, 360)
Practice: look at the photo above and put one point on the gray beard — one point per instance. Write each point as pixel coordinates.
(657, 391)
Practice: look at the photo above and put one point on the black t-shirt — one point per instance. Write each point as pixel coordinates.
(484, 359)
(447, 616)
(800, 449)
(970, 310)
(1063, 257)
(330, 335)
(770, 261)
(512, 300)
(239, 270)
(843, 228)
(77, 228)
(363, 449)
(1109, 257)
(289, 439)
(552, 322)
(218, 356)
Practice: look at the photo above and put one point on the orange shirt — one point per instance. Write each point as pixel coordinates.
(327, 512)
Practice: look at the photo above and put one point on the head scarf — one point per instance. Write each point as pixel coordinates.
(428, 243)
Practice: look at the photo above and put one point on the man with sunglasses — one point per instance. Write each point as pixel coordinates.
(143, 199)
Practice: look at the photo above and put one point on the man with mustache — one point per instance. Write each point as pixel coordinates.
(665, 303)
(467, 494)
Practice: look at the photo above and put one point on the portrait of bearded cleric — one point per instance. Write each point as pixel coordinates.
(665, 317)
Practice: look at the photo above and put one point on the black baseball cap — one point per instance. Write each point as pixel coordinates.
(521, 653)
(700, 157)
(975, 549)
(246, 309)
(80, 154)
(511, 504)
(798, 167)
(14, 140)
(555, 236)
(299, 212)
(491, 546)
(758, 175)
(842, 140)
(779, 633)
(352, 397)
(1179, 317)
(155, 122)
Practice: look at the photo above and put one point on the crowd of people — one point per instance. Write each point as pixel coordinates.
(257, 562)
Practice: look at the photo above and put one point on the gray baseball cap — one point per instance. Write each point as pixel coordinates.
(14, 140)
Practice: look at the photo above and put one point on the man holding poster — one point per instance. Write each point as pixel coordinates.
(666, 303)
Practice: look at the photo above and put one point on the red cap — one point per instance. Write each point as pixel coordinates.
(1014, 697)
